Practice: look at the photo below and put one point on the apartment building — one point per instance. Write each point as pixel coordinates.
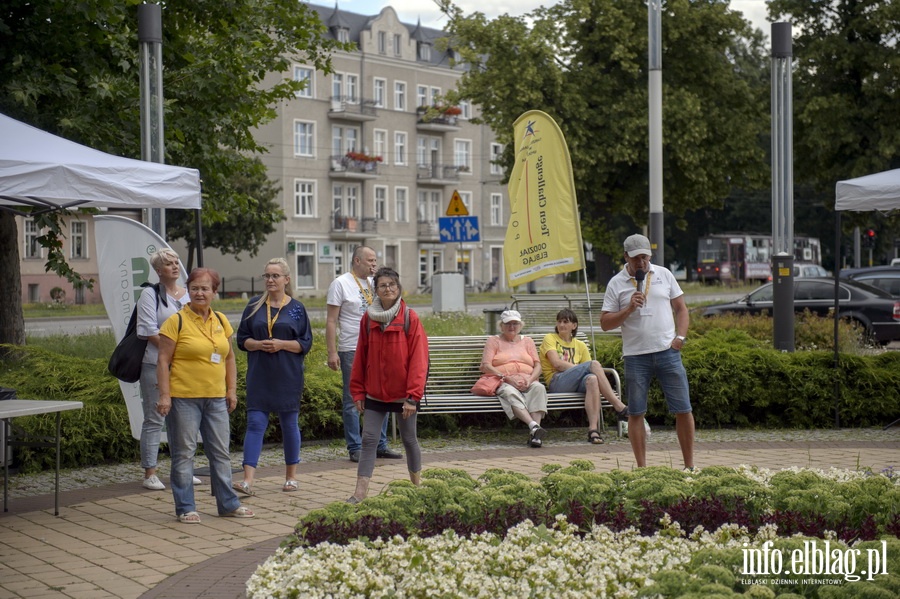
(370, 154)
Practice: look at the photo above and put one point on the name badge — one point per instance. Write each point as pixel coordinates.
(215, 358)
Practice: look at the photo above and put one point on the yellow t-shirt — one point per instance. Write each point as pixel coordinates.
(573, 352)
(193, 372)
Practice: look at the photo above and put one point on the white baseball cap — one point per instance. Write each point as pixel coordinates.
(510, 316)
(636, 245)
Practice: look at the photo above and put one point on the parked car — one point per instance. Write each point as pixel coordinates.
(883, 277)
(808, 269)
(873, 308)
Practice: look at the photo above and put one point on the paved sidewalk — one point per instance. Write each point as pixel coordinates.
(118, 540)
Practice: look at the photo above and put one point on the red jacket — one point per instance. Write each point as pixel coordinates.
(390, 365)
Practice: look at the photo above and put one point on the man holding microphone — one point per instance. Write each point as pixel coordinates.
(646, 301)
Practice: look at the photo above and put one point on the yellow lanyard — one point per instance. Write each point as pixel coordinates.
(367, 293)
(270, 320)
(205, 328)
(646, 287)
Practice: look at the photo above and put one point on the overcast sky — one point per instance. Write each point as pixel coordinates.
(411, 11)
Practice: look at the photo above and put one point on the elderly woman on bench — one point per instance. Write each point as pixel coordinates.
(568, 367)
(514, 359)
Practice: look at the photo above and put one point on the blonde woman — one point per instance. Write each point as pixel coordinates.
(153, 310)
(276, 334)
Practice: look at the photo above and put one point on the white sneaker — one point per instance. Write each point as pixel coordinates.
(153, 483)
(197, 481)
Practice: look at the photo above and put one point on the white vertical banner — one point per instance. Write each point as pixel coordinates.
(124, 247)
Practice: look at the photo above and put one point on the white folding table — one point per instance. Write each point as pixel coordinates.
(13, 408)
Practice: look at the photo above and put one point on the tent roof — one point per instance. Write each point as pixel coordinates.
(43, 170)
(880, 191)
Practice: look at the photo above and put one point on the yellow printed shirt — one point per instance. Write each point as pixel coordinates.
(193, 373)
(573, 352)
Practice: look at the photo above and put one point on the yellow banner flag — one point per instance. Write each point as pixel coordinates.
(544, 233)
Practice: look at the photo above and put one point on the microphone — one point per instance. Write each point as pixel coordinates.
(639, 277)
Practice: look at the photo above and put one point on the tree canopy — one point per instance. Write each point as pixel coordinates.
(584, 62)
(71, 68)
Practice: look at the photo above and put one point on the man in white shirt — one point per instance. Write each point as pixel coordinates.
(348, 297)
(646, 301)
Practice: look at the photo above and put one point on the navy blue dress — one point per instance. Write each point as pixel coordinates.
(275, 381)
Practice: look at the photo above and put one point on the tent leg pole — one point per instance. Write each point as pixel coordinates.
(199, 227)
(837, 289)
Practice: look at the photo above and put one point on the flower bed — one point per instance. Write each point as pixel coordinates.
(651, 532)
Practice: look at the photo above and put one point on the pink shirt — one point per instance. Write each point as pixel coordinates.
(498, 352)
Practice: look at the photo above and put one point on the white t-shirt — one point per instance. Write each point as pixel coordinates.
(345, 293)
(149, 319)
(653, 330)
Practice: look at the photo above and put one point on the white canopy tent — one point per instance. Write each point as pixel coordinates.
(43, 171)
(879, 191)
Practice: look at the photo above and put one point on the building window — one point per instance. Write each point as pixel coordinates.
(337, 203)
(496, 157)
(343, 35)
(466, 108)
(401, 210)
(466, 197)
(425, 52)
(462, 155)
(304, 138)
(77, 232)
(380, 203)
(435, 96)
(382, 42)
(421, 95)
(32, 247)
(337, 86)
(353, 89)
(306, 265)
(496, 209)
(379, 140)
(34, 293)
(304, 75)
(398, 44)
(380, 92)
(353, 201)
(399, 95)
(400, 148)
(304, 198)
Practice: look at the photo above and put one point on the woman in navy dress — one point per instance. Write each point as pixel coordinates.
(276, 334)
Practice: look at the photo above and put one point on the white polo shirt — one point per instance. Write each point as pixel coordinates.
(654, 329)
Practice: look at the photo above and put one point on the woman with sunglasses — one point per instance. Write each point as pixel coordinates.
(276, 334)
(389, 372)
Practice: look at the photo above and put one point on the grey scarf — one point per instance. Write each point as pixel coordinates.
(379, 314)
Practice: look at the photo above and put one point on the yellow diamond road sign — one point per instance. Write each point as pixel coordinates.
(457, 207)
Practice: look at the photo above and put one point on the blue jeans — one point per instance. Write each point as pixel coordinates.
(151, 429)
(257, 423)
(666, 366)
(571, 380)
(209, 415)
(350, 414)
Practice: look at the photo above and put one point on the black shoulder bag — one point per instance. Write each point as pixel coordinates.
(125, 362)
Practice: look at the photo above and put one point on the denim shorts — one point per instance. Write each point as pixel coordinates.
(571, 380)
(666, 366)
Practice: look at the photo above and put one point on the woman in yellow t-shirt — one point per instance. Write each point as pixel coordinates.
(197, 379)
(568, 368)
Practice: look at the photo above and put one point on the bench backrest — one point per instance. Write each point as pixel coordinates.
(539, 310)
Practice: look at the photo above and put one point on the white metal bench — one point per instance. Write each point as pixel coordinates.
(539, 311)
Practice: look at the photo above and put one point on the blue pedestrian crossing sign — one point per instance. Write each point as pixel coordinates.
(455, 229)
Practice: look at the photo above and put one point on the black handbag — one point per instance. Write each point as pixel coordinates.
(125, 361)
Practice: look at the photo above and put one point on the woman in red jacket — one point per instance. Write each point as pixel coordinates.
(389, 372)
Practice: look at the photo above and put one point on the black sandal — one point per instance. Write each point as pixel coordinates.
(594, 437)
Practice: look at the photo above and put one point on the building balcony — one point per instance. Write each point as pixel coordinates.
(437, 174)
(354, 165)
(433, 119)
(428, 231)
(351, 228)
(352, 109)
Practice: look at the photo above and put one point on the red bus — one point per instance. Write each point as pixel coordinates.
(740, 257)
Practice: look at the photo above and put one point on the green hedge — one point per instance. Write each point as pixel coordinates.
(736, 381)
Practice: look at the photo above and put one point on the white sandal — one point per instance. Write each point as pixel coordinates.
(189, 518)
(290, 486)
(241, 512)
